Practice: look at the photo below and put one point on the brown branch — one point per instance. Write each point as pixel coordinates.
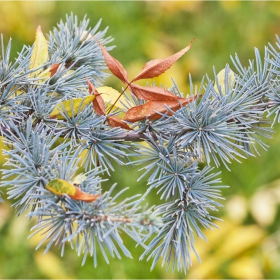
(131, 136)
(105, 218)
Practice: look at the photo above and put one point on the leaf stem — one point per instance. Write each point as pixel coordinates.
(119, 97)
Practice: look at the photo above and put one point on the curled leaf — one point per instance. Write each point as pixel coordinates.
(91, 87)
(98, 102)
(60, 187)
(152, 93)
(39, 55)
(86, 197)
(114, 65)
(154, 109)
(71, 107)
(115, 121)
(156, 67)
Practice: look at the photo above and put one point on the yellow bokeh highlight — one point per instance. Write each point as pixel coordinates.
(13, 13)
(246, 267)
(172, 6)
(230, 6)
(228, 244)
(51, 265)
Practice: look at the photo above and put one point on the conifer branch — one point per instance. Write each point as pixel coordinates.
(50, 114)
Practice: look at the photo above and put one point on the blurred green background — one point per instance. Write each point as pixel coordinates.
(247, 243)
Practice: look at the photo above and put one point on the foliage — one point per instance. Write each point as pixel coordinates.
(52, 129)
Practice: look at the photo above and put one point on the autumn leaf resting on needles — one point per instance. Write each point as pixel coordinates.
(99, 107)
(158, 99)
(115, 121)
(61, 187)
(39, 53)
(151, 69)
(98, 102)
(155, 109)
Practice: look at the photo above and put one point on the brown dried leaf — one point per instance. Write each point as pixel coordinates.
(98, 102)
(115, 121)
(86, 197)
(91, 87)
(151, 109)
(53, 69)
(114, 65)
(152, 93)
(156, 67)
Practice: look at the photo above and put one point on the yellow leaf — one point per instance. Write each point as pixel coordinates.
(110, 95)
(59, 186)
(51, 266)
(70, 106)
(221, 77)
(239, 240)
(39, 54)
(225, 246)
(266, 209)
(44, 76)
(246, 267)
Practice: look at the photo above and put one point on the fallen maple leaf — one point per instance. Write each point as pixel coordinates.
(156, 67)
